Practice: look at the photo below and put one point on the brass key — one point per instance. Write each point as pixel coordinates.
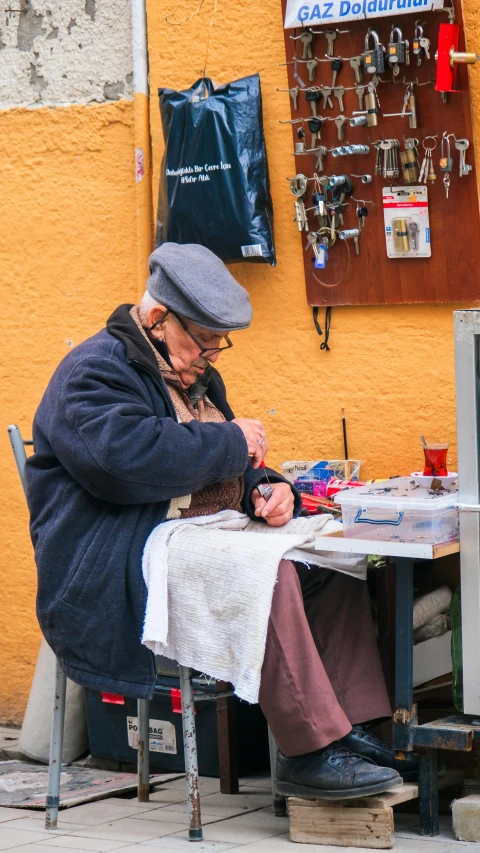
(360, 90)
(312, 66)
(340, 122)
(357, 64)
(330, 35)
(294, 96)
(306, 38)
(338, 93)
(326, 99)
(321, 153)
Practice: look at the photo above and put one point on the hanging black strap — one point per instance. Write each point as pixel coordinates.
(328, 320)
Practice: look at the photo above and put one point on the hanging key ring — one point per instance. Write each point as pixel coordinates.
(429, 147)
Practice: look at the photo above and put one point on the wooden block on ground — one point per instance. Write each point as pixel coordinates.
(364, 822)
(315, 822)
(466, 818)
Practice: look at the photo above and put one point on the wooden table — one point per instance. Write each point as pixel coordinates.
(449, 733)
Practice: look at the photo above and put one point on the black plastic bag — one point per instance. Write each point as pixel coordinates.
(214, 187)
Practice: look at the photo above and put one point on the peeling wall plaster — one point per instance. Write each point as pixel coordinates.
(64, 51)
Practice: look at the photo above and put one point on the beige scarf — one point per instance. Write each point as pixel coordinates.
(211, 499)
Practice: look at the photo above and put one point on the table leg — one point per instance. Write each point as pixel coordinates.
(428, 793)
(385, 589)
(405, 715)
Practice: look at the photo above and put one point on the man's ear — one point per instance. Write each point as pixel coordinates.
(156, 315)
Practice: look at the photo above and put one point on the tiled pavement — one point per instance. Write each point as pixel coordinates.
(244, 820)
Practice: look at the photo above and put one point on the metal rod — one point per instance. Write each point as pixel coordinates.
(56, 748)
(195, 832)
(279, 801)
(143, 770)
(207, 697)
(19, 453)
(142, 141)
(467, 351)
(344, 427)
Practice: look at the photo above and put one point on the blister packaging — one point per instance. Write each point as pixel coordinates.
(407, 224)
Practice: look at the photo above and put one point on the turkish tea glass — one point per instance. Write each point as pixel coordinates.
(435, 460)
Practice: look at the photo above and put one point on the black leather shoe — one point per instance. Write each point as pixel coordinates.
(364, 743)
(332, 773)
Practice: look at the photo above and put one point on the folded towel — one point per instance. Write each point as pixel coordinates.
(210, 583)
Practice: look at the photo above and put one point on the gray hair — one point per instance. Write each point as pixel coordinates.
(146, 304)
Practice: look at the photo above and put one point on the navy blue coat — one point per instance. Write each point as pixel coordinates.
(109, 457)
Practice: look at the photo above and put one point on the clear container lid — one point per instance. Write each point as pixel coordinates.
(399, 493)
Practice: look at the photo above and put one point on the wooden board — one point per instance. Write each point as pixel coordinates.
(415, 550)
(23, 784)
(373, 278)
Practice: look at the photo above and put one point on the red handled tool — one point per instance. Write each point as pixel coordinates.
(265, 491)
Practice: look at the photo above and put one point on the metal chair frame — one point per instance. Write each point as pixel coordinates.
(188, 699)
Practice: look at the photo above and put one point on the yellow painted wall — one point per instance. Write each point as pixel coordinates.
(67, 257)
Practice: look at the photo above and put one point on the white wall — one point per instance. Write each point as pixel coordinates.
(64, 51)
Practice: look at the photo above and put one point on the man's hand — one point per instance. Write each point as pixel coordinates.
(279, 508)
(256, 438)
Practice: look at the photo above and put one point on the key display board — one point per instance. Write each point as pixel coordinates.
(392, 267)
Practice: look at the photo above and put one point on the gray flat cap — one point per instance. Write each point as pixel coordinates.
(191, 280)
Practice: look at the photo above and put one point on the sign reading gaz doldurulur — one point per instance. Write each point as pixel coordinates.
(301, 14)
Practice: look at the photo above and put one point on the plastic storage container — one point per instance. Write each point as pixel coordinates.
(400, 511)
(113, 731)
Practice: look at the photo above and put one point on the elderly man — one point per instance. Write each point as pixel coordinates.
(135, 429)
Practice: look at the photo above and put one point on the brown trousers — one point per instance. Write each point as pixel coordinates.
(321, 671)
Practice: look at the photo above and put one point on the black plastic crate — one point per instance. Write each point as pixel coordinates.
(112, 731)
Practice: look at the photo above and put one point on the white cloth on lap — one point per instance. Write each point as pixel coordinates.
(210, 583)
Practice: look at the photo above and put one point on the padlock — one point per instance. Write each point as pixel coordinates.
(397, 50)
(446, 161)
(417, 48)
(373, 59)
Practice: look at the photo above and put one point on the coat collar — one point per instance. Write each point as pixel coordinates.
(121, 325)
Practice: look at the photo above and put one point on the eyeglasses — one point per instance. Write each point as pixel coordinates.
(203, 350)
